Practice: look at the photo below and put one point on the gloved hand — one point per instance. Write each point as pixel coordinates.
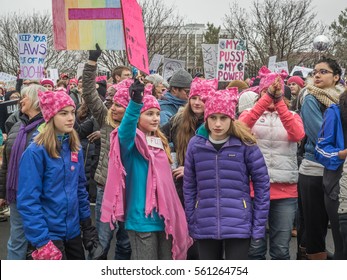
(90, 240)
(136, 91)
(47, 252)
(275, 90)
(95, 54)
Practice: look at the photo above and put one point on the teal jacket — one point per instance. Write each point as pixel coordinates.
(136, 167)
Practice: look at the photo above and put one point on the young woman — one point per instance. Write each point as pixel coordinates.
(319, 96)
(295, 83)
(108, 119)
(52, 198)
(220, 161)
(182, 127)
(145, 198)
(19, 137)
(277, 131)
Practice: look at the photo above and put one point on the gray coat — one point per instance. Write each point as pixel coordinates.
(99, 112)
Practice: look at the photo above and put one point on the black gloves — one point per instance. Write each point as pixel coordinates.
(95, 54)
(136, 91)
(90, 240)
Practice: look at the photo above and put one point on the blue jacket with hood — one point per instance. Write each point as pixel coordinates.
(52, 197)
(169, 106)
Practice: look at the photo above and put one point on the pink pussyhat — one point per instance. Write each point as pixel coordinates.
(73, 81)
(149, 101)
(202, 87)
(121, 96)
(51, 102)
(267, 78)
(221, 102)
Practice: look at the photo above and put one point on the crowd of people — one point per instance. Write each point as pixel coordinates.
(187, 168)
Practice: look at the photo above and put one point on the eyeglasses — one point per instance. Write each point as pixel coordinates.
(186, 90)
(321, 72)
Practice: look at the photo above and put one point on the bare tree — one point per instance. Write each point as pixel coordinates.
(285, 28)
(41, 23)
(339, 36)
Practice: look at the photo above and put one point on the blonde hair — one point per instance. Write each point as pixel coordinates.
(185, 123)
(49, 140)
(239, 130)
(110, 121)
(165, 142)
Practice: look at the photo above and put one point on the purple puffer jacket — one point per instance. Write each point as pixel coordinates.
(217, 193)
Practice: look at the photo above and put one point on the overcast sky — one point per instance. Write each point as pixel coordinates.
(195, 11)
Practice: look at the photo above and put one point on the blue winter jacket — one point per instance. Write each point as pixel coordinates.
(52, 197)
(216, 189)
(312, 117)
(169, 106)
(330, 139)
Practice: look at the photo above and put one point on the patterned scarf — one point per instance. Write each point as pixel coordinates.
(327, 97)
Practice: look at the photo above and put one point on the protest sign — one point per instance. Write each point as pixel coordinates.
(80, 67)
(32, 49)
(272, 61)
(154, 65)
(79, 25)
(231, 59)
(6, 109)
(305, 71)
(135, 38)
(4, 77)
(53, 75)
(281, 65)
(210, 55)
(170, 66)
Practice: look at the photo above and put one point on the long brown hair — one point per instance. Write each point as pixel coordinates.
(184, 123)
(165, 142)
(49, 140)
(239, 130)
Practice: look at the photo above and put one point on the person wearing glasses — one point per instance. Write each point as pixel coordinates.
(159, 85)
(177, 95)
(316, 198)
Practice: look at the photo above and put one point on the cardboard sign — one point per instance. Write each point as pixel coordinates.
(80, 67)
(231, 59)
(305, 71)
(53, 74)
(4, 77)
(80, 24)
(154, 65)
(282, 65)
(170, 66)
(272, 62)
(135, 38)
(32, 49)
(6, 109)
(210, 56)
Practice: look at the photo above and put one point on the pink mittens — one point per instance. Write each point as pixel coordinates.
(47, 252)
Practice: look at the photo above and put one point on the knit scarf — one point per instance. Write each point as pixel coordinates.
(160, 194)
(327, 97)
(17, 150)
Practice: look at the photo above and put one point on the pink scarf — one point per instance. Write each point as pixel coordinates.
(160, 193)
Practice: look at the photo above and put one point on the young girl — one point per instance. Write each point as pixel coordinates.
(52, 197)
(146, 198)
(219, 163)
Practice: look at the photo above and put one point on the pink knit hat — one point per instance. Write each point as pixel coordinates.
(47, 82)
(202, 87)
(296, 79)
(121, 96)
(267, 78)
(221, 102)
(51, 102)
(149, 101)
(73, 81)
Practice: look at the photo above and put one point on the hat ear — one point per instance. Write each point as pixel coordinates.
(263, 71)
(283, 74)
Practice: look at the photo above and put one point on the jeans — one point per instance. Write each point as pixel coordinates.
(17, 244)
(281, 218)
(123, 248)
(150, 245)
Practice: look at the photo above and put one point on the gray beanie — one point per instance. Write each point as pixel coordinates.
(181, 79)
